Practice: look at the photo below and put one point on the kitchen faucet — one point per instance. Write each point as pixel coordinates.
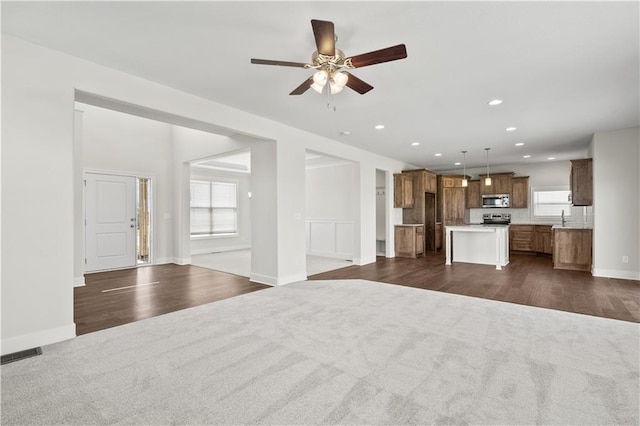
(563, 221)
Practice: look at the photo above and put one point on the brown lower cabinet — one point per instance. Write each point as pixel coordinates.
(572, 249)
(522, 237)
(530, 238)
(542, 243)
(409, 240)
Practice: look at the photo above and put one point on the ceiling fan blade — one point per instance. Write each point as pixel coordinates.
(356, 84)
(325, 37)
(280, 63)
(303, 87)
(379, 56)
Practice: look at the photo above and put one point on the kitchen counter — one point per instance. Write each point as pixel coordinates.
(571, 226)
(483, 244)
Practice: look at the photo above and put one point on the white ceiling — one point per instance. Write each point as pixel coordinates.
(563, 70)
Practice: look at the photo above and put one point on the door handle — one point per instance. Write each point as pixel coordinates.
(132, 225)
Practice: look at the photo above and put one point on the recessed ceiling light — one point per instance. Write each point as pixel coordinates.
(415, 143)
(457, 164)
(526, 156)
(495, 102)
(345, 133)
(510, 129)
(520, 144)
(551, 158)
(438, 155)
(380, 127)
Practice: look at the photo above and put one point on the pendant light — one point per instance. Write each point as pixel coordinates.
(487, 180)
(465, 182)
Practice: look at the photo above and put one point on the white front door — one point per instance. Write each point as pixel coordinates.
(110, 213)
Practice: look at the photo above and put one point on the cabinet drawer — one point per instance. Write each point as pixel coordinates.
(543, 228)
(522, 236)
(522, 245)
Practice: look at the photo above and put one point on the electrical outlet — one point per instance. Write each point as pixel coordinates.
(625, 259)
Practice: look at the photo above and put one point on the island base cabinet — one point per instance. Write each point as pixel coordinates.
(572, 249)
(409, 240)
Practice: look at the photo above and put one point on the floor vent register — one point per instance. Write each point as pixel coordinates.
(17, 356)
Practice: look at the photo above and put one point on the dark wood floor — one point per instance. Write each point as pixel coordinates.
(119, 297)
(527, 280)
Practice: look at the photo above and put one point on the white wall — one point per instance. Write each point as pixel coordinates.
(118, 142)
(329, 195)
(616, 198)
(242, 240)
(329, 192)
(38, 86)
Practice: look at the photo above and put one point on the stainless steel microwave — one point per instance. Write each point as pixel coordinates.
(495, 201)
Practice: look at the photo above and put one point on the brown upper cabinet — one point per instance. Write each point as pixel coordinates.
(520, 192)
(474, 199)
(581, 181)
(500, 183)
(430, 182)
(451, 199)
(402, 190)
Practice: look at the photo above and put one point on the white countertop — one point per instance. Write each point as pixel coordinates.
(571, 226)
(476, 228)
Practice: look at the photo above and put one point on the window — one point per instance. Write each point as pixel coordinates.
(213, 208)
(550, 202)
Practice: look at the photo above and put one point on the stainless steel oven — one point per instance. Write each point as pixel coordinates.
(495, 201)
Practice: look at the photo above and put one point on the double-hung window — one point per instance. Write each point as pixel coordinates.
(214, 208)
(550, 202)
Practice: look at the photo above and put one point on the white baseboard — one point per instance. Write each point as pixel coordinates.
(292, 279)
(360, 261)
(39, 338)
(78, 281)
(277, 281)
(163, 260)
(612, 273)
(263, 279)
(219, 249)
(181, 260)
(331, 254)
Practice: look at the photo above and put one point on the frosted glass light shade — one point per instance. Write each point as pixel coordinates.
(340, 78)
(335, 88)
(317, 87)
(465, 183)
(487, 181)
(320, 78)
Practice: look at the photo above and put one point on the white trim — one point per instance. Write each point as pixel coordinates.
(160, 261)
(277, 281)
(220, 249)
(292, 279)
(78, 281)
(263, 279)
(181, 260)
(364, 260)
(39, 338)
(613, 273)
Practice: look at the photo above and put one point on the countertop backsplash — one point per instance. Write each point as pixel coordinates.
(582, 216)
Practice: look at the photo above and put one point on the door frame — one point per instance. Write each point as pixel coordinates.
(152, 205)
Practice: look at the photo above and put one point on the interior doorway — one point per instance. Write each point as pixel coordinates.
(143, 211)
(117, 221)
(381, 212)
(430, 221)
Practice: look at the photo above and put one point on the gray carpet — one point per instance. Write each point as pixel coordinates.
(347, 352)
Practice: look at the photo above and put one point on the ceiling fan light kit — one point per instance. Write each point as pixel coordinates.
(330, 63)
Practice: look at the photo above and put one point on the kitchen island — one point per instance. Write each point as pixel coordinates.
(483, 244)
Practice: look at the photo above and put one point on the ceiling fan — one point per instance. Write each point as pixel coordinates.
(330, 62)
